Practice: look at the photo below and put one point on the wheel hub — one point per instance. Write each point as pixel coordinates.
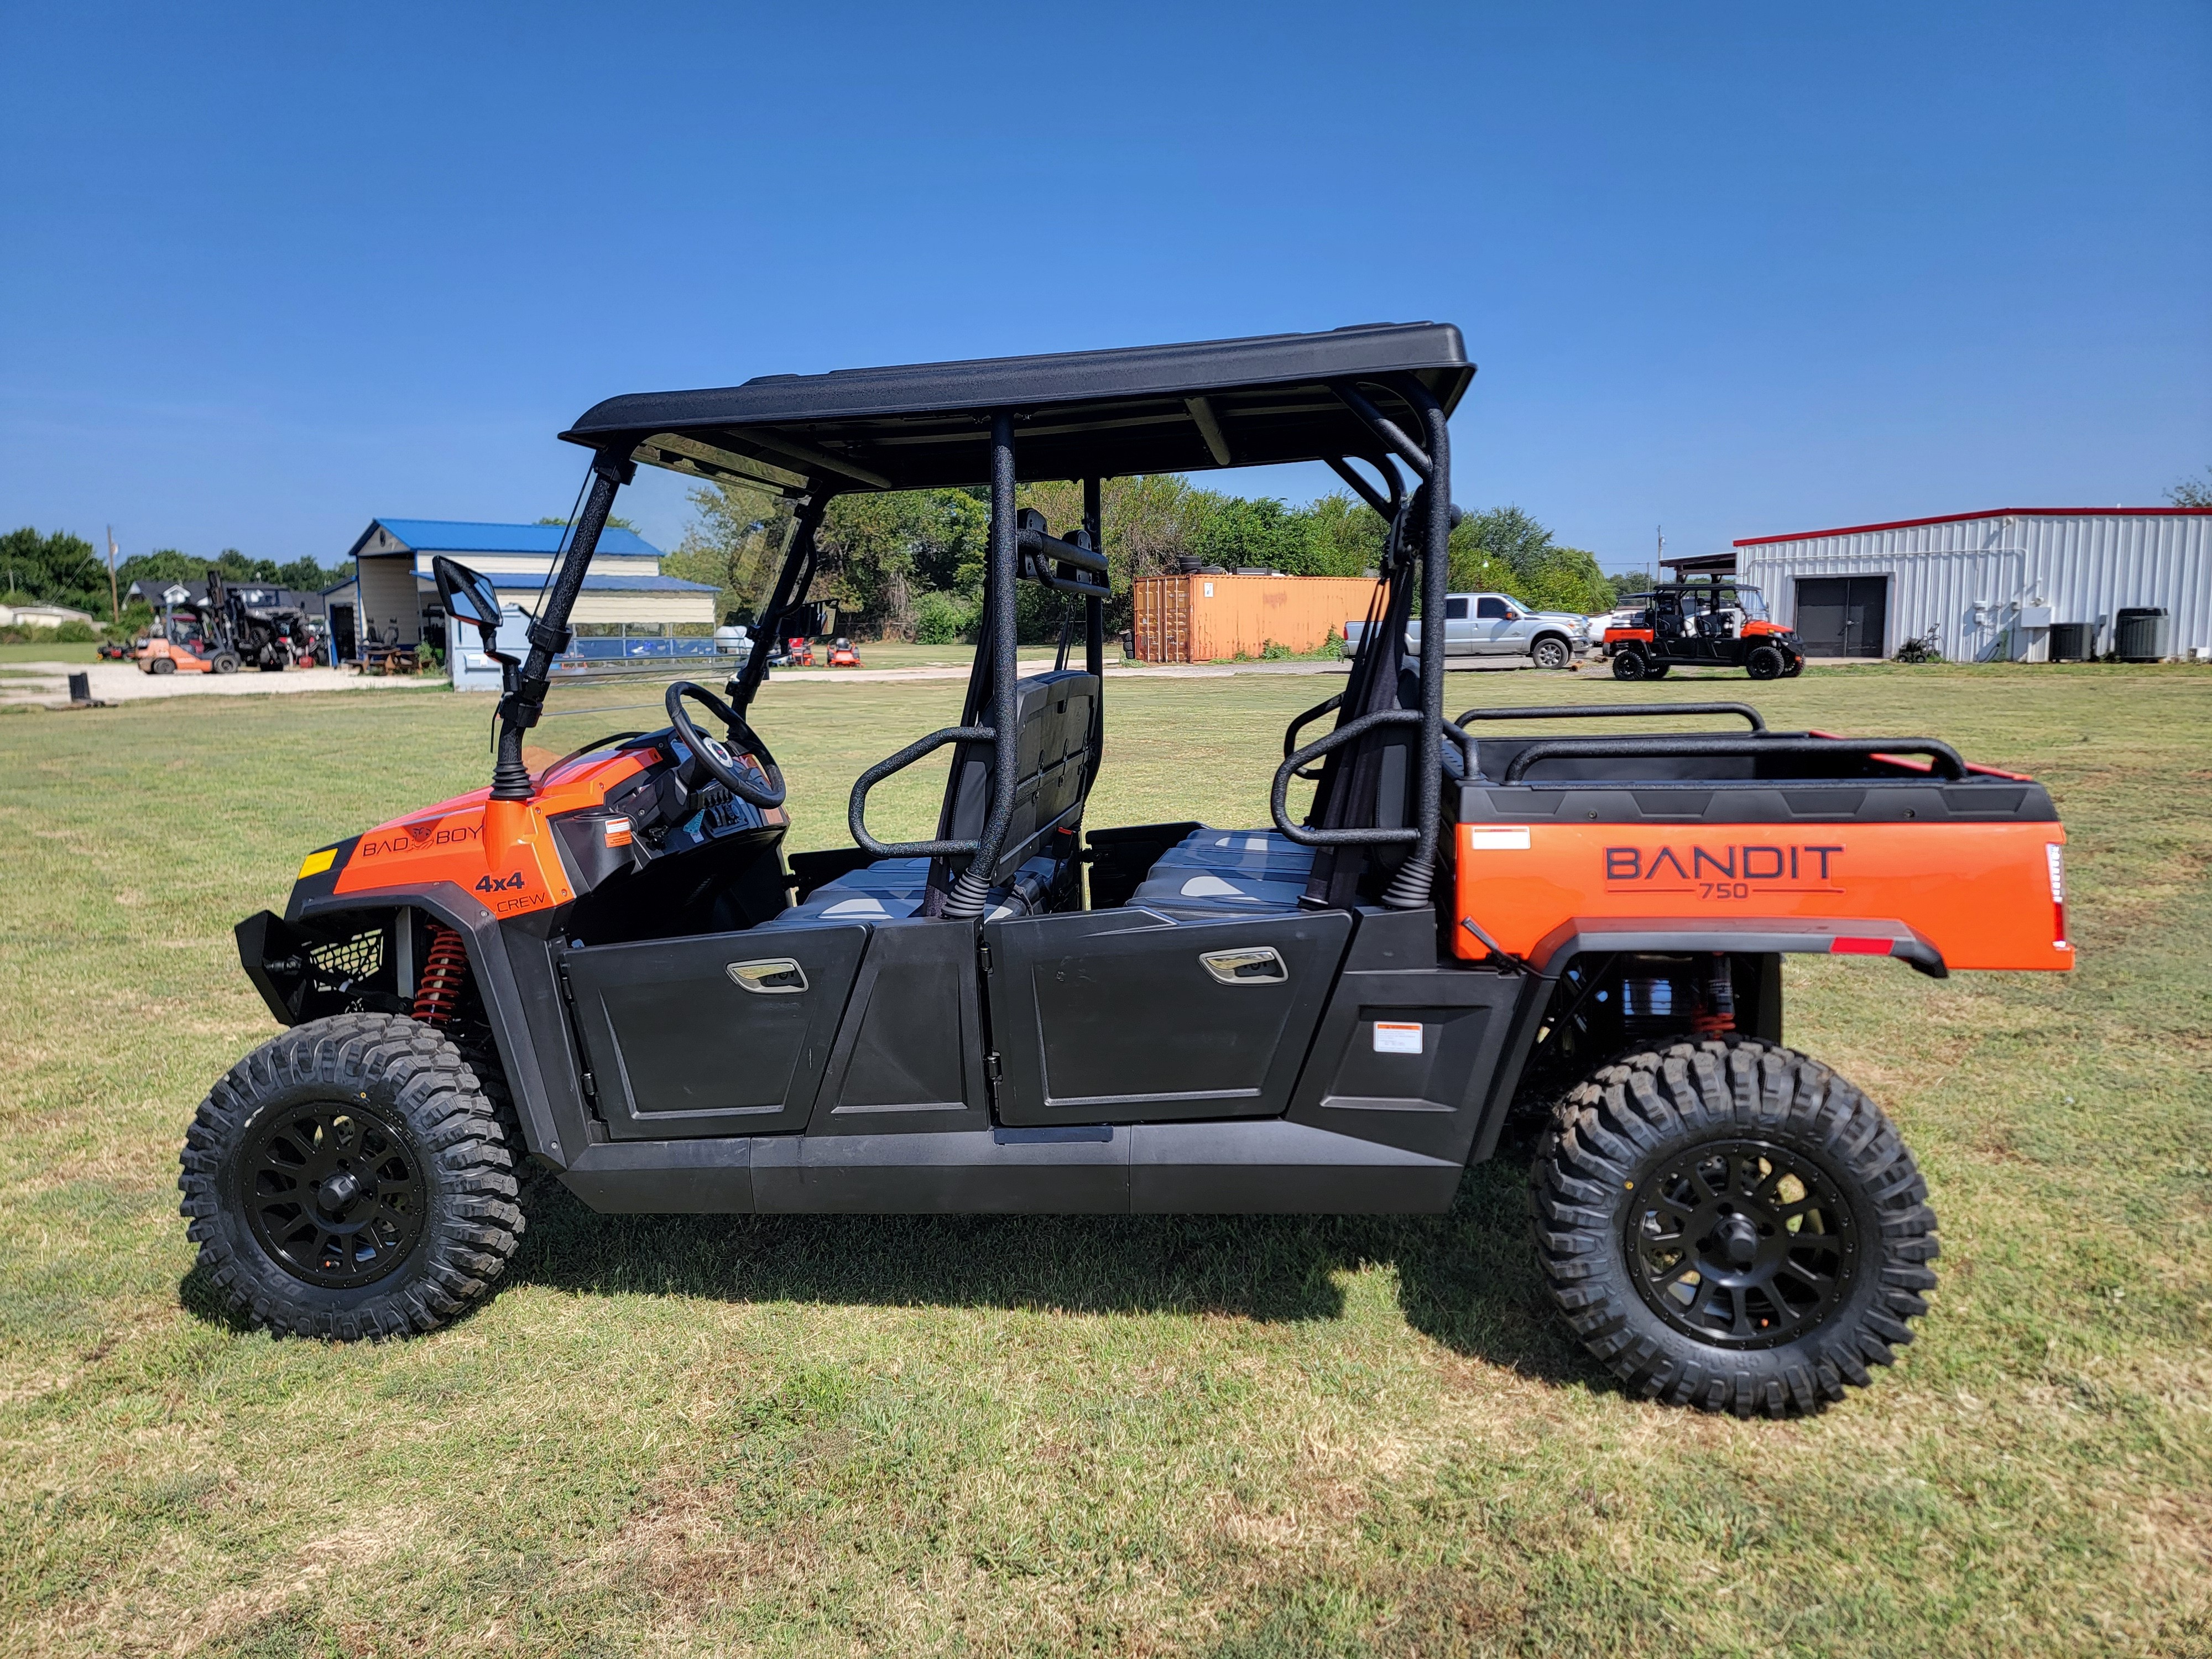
(335, 1196)
(335, 1193)
(1741, 1243)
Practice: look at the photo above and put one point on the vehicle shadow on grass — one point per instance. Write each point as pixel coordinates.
(1466, 1278)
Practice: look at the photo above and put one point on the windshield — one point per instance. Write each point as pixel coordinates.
(1751, 603)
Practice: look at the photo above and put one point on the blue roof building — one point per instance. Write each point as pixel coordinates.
(393, 598)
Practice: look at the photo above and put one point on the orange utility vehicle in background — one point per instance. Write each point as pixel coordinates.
(1475, 935)
(1717, 623)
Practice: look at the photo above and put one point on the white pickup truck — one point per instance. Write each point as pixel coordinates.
(1497, 625)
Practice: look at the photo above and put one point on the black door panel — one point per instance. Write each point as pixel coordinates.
(725, 1035)
(1117, 1017)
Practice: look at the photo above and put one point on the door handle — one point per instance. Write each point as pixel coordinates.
(773, 976)
(1253, 964)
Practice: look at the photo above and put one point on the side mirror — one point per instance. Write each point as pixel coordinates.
(471, 598)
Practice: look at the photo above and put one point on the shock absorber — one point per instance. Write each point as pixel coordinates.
(445, 973)
(1716, 1014)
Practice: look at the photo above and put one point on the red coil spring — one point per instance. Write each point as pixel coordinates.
(445, 972)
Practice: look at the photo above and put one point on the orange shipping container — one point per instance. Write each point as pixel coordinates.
(1205, 618)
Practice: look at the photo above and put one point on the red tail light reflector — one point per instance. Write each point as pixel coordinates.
(1846, 946)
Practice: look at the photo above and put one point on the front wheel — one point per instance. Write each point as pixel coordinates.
(350, 1179)
(1764, 663)
(1797, 667)
(1550, 652)
(1730, 1226)
(161, 665)
(224, 663)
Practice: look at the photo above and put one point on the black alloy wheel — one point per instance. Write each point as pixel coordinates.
(1629, 665)
(333, 1190)
(1730, 1226)
(352, 1178)
(1764, 663)
(1741, 1244)
(1797, 667)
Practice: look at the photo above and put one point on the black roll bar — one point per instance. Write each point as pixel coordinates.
(1414, 885)
(525, 700)
(1616, 711)
(1606, 711)
(856, 809)
(1696, 746)
(1387, 430)
(1306, 835)
(1049, 559)
(970, 890)
(1388, 506)
(1299, 722)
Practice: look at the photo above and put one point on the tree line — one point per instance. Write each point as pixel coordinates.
(57, 567)
(909, 564)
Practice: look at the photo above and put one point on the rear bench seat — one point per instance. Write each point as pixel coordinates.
(892, 889)
(1215, 873)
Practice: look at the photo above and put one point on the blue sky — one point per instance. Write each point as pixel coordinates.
(1735, 269)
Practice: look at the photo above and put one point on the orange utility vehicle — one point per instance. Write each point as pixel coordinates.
(1717, 623)
(1477, 934)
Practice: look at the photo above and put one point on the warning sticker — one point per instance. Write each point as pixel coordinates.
(1397, 1037)
(1501, 838)
(618, 832)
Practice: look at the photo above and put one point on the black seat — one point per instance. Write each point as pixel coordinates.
(1056, 728)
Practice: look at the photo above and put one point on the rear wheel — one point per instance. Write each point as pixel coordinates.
(350, 1179)
(1764, 663)
(1630, 665)
(1550, 652)
(1731, 1225)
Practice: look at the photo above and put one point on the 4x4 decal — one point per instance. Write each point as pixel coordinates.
(513, 884)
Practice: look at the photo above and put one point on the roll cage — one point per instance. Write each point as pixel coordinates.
(1379, 396)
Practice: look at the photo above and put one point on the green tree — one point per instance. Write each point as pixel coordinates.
(310, 577)
(167, 565)
(615, 521)
(734, 543)
(2192, 492)
(57, 567)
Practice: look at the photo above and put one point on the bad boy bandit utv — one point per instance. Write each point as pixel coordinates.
(613, 968)
(1713, 623)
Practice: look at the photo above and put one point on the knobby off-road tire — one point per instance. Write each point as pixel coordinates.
(1765, 663)
(1730, 1226)
(350, 1179)
(1629, 665)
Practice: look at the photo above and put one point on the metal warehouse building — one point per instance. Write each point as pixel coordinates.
(1992, 586)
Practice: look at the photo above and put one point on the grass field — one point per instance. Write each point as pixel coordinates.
(1125, 1436)
(50, 652)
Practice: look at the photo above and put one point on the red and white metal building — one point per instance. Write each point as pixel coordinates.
(1989, 586)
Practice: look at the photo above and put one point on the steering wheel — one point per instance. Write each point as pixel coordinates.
(714, 757)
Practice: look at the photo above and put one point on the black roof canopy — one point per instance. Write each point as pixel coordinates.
(1186, 408)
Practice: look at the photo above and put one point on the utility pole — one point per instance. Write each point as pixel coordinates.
(114, 601)
(1659, 557)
